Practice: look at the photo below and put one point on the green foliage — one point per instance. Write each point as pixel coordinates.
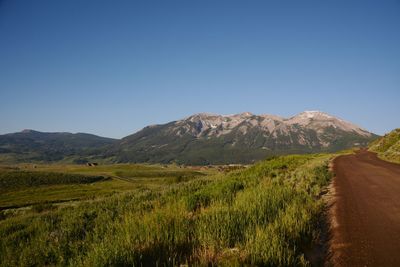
(17, 179)
(181, 174)
(384, 143)
(197, 200)
(3, 215)
(388, 147)
(41, 207)
(264, 215)
(60, 191)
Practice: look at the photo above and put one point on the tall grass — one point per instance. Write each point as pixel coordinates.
(264, 215)
(388, 146)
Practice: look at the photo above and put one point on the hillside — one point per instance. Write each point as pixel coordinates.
(30, 145)
(241, 138)
(388, 146)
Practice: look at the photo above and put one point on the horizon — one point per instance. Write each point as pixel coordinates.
(201, 113)
(111, 69)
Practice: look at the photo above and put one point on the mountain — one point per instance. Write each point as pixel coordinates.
(241, 138)
(388, 146)
(199, 139)
(30, 145)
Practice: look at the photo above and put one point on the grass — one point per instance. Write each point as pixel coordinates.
(265, 215)
(62, 193)
(20, 179)
(28, 184)
(388, 146)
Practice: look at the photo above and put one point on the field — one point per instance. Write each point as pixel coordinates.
(139, 215)
(27, 185)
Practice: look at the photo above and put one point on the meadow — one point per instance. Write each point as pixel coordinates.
(30, 184)
(268, 214)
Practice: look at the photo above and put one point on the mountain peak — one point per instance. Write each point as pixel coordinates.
(202, 115)
(319, 121)
(206, 115)
(313, 113)
(28, 131)
(246, 114)
(214, 124)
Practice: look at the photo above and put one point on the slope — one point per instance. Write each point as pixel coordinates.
(30, 145)
(388, 147)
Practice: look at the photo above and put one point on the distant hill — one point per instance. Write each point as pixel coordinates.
(241, 138)
(388, 146)
(29, 145)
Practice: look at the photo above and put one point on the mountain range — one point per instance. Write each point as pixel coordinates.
(196, 140)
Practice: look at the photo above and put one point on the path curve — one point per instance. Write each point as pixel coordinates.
(365, 211)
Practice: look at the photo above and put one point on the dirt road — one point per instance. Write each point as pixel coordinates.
(365, 211)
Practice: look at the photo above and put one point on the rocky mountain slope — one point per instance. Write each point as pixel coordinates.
(388, 146)
(241, 138)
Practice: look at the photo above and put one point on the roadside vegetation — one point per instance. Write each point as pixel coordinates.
(388, 146)
(267, 214)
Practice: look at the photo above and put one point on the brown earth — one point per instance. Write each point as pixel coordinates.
(365, 211)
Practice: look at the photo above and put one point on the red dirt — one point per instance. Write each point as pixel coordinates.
(365, 212)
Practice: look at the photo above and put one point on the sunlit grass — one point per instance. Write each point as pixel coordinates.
(264, 215)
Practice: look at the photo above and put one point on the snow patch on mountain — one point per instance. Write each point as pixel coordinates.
(209, 124)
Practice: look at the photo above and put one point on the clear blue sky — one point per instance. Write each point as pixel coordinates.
(113, 67)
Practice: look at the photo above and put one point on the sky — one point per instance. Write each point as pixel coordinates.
(113, 67)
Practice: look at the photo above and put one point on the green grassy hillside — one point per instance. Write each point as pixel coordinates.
(267, 214)
(388, 147)
(33, 146)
